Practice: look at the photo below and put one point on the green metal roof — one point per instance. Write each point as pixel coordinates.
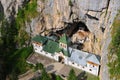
(66, 53)
(63, 39)
(51, 47)
(40, 39)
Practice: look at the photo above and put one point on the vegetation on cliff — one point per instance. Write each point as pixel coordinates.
(14, 48)
(24, 16)
(114, 50)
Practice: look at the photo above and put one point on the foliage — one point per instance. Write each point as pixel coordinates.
(45, 76)
(13, 59)
(114, 50)
(30, 10)
(72, 75)
(1, 16)
(70, 3)
(8, 33)
(58, 77)
(25, 15)
(18, 60)
(39, 66)
(14, 36)
(7, 44)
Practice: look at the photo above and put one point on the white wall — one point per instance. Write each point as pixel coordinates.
(56, 56)
(37, 48)
(65, 59)
(94, 70)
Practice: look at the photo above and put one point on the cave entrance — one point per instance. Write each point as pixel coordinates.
(79, 34)
(74, 27)
(82, 26)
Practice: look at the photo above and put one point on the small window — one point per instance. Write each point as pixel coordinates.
(90, 69)
(93, 66)
(72, 62)
(83, 67)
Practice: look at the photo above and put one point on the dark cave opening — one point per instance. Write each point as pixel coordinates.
(79, 26)
(72, 28)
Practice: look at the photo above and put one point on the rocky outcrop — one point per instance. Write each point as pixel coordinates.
(56, 12)
(10, 8)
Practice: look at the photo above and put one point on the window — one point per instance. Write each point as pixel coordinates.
(90, 69)
(93, 66)
(83, 67)
(72, 62)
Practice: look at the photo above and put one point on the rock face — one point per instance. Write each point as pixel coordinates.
(90, 12)
(10, 8)
(97, 15)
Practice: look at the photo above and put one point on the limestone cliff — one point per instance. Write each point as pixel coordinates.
(97, 15)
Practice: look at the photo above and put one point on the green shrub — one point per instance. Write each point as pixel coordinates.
(39, 66)
(24, 15)
(72, 75)
(58, 77)
(70, 3)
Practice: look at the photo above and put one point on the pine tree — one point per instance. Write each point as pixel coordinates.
(58, 77)
(72, 75)
(45, 76)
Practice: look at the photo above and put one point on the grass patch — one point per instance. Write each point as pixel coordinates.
(92, 77)
(114, 50)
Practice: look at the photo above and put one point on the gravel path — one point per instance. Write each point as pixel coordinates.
(104, 60)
